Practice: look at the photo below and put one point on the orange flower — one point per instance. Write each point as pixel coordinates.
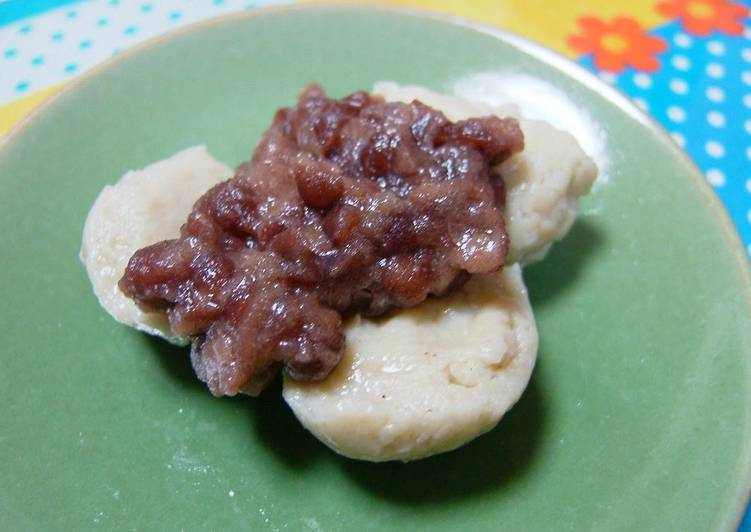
(617, 44)
(702, 17)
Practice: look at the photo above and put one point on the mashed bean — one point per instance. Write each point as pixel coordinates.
(352, 204)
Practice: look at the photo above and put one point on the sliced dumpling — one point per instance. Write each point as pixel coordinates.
(419, 381)
(543, 182)
(427, 379)
(543, 185)
(144, 207)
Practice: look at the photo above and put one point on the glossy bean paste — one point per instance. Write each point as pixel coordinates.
(351, 205)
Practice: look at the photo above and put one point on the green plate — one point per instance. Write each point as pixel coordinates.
(638, 415)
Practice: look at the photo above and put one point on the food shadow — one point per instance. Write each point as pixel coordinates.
(272, 422)
(276, 427)
(175, 361)
(493, 461)
(566, 262)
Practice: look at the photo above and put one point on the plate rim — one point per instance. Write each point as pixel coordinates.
(569, 67)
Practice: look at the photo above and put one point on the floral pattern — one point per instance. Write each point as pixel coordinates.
(702, 17)
(617, 44)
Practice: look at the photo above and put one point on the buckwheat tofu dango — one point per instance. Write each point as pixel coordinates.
(418, 381)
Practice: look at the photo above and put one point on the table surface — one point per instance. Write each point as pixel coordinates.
(685, 62)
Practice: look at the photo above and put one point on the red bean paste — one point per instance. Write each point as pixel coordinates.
(347, 205)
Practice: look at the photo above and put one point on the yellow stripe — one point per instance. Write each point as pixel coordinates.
(14, 112)
(544, 21)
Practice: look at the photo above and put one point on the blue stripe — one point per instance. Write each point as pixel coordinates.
(13, 10)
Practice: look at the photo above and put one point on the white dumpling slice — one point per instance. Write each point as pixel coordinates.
(543, 185)
(142, 208)
(427, 379)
